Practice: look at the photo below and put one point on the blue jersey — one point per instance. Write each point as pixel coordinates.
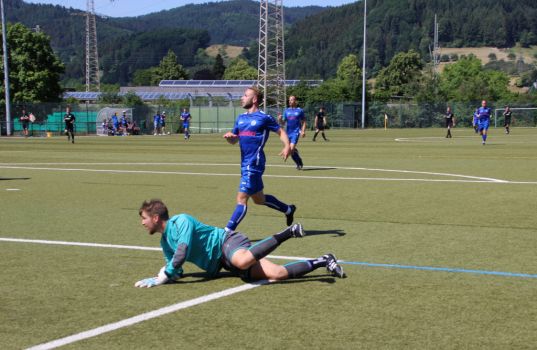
(253, 131)
(483, 114)
(185, 117)
(156, 119)
(294, 118)
(115, 121)
(203, 244)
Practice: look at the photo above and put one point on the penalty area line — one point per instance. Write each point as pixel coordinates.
(145, 316)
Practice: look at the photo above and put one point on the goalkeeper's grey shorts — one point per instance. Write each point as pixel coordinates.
(232, 243)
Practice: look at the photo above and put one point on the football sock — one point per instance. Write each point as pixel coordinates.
(236, 217)
(324, 137)
(274, 203)
(300, 268)
(484, 136)
(315, 136)
(264, 247)
(295, 157)
(284, 235)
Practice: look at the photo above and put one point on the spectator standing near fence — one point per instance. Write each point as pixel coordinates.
(69, 120)
(320, 124)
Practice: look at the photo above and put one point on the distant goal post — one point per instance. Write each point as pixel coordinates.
(522, 116)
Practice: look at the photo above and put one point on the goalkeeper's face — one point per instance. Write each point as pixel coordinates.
(150, 222)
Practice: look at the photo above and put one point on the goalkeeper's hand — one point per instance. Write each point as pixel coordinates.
(161, 278)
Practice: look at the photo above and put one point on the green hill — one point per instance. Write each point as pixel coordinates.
(314, 46)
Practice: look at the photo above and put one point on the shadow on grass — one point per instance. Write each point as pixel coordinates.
(15, 178)
(328, 279)
(335, 233)
(314, 169)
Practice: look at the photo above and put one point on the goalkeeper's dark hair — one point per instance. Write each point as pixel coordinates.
(155, 207)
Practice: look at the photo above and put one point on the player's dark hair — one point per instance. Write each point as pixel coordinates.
(154, 207)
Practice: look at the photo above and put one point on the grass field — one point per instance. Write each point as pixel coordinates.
(437, 236)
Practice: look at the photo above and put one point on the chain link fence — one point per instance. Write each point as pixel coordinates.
(219, 118)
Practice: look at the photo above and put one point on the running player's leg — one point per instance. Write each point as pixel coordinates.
(239, 213)
(274, 203)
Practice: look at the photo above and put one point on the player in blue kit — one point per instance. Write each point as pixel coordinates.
(483, 120)
(184, 238)
(251, 130)
(185, 118)
(474, 121)
(296, 128)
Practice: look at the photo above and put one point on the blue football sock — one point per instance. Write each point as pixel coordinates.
(484, 137)
(274, 203)
(236, 217)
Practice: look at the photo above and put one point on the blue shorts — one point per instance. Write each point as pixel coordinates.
(483, 125)
(186, 125)
(294, 137)
(251, 183)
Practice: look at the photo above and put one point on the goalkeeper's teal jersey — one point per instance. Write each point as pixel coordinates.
(203, 243)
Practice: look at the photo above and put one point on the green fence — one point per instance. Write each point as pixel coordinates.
(206, 119)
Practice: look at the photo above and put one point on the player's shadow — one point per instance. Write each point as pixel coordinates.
(198, 277)
(15, 178)
(313, 169)
(335, 233)
(322, 279)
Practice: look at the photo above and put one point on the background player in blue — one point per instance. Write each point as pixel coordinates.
(296, 128)
(251, 130)
(474, 120)
(483, 120)
(156, 124)
(185, 118)
(211, 248)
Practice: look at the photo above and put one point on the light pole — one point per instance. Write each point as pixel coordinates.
(6, 71)
(363, 65)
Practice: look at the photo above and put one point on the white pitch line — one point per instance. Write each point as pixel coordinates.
(145, 316)
(114, 246)
(473, 178)
(268, 166)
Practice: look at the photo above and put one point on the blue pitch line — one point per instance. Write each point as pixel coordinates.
(442, 269)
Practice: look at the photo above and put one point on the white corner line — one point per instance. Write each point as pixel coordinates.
(145, 316)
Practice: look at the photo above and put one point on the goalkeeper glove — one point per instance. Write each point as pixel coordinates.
(161, 278)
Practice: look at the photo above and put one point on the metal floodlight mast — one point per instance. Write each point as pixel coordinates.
(6, 70)
(92, 55)
(271, 59)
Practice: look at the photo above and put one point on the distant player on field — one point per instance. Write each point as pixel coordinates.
(474, 120)
(320, 124)
(450, 121)
(184, 238)
(69, 120)
(296, 128)
(185, 118)
(507, 114)
(251, 130)
(483, 120)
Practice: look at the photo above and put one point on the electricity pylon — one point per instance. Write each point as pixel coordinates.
(92, 54)
(271, 60)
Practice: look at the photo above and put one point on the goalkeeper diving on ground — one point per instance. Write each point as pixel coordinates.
(184, 238)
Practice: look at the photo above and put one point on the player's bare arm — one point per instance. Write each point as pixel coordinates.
(286, 151)
(231, 137)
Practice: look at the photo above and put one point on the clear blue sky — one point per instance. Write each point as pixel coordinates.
(124, 8)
